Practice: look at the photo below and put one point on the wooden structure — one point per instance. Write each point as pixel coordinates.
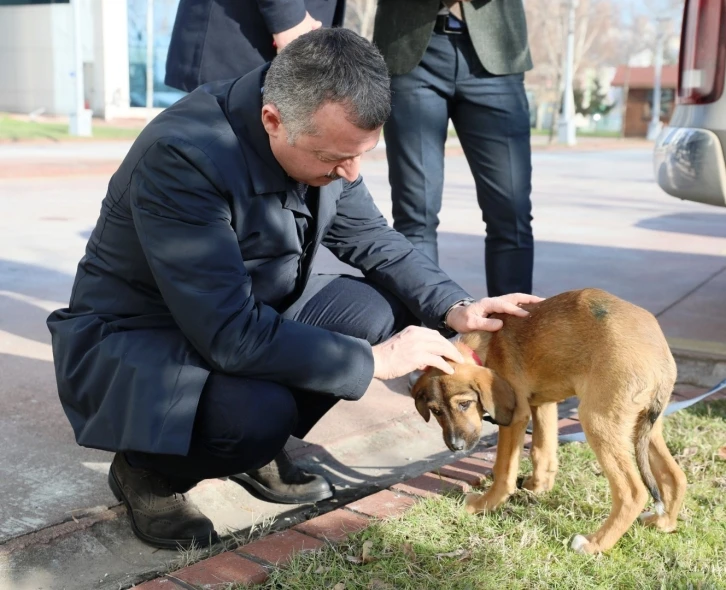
(637, 84)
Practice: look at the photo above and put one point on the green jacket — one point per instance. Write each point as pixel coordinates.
(497, 28)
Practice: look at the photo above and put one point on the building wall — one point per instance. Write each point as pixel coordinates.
(639, 111)
(37, 56)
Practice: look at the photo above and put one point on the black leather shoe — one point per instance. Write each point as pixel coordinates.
(283, 482)
(159, 516)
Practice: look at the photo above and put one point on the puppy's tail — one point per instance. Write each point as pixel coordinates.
(643, 428)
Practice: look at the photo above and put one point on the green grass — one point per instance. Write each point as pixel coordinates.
(580, 133)
(16, 130)
(526, 544)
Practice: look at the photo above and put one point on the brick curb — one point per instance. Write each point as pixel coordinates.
(250, 564)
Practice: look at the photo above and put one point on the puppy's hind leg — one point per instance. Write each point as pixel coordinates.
(612, 441)
(671, 482)
(544, 449)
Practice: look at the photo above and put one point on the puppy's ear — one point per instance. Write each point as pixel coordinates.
(496, 395)
(418, 393)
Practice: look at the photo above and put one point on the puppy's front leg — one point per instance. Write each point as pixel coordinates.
(544, 449)
(506, 467)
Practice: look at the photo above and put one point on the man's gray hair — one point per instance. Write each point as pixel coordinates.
(328, 65)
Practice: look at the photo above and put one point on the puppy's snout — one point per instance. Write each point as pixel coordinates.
(456, 443)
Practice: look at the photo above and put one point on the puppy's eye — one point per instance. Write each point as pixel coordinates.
(435, 411)
(464, 406)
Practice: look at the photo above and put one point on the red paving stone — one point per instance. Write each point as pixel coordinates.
(568, 426)
(222, 569)
(158, 584)
(334, 526)
(383, 504)
(487, 455)
(472, 471)
(430, 484)
(686, 392)
(278, 548)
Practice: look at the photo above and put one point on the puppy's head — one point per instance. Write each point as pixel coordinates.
(458, 402)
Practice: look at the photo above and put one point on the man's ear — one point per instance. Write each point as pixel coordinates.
(418, 393)
(271, 120)
(496, 395)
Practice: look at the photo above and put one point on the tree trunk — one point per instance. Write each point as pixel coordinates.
(626, 90)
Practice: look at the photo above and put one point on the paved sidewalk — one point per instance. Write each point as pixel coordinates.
(76, 158)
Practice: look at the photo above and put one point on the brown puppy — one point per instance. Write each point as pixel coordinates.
(609, 353)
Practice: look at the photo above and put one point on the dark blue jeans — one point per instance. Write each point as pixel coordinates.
(244, 423)
(491, 117)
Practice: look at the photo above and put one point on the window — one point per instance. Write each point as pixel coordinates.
(164, 15)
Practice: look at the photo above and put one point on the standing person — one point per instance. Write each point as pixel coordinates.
(197, 338)
(470, 70)
(222, 39)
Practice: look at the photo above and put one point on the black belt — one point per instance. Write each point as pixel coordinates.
(449, 25)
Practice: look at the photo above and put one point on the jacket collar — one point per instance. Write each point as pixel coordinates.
(243, 109)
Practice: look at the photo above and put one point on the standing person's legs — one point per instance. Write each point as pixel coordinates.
(491, 117)
(415, 135)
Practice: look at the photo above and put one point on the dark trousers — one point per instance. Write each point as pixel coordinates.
(243, 423)
(491, 117)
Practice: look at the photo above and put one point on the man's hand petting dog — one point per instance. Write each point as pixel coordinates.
(417, 348)
(414, 348)
(471, 318)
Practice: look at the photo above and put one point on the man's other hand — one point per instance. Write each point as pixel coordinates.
(414, 348)
(284, 38)
(475, 317)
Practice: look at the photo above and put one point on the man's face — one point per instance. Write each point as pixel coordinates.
(333, 152)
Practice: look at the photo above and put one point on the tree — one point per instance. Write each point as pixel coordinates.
(594, 104)
(594, 43)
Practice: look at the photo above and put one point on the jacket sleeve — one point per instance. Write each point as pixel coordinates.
(281, 15)
(183, 221)
(360, 236)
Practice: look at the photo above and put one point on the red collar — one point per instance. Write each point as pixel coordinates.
(473, 354)
(471, 351)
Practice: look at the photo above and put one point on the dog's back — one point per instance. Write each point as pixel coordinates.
(572, 337)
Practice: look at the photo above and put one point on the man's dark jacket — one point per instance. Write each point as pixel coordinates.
(497, 28)
(193, 259)
(221, 39)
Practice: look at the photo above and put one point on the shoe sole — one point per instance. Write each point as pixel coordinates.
(260, 491)
(153, 541)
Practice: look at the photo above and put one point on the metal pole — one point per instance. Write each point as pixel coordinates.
(566, 131)
(149, 57)
(79, 121)
(654, 127)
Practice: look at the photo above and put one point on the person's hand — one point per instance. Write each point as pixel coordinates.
(284, 38)
(414, 348)
(474, 317)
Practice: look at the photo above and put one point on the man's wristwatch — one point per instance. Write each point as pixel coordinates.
(461, 303)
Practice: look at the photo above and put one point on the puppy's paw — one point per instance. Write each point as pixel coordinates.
(471, 503)
(660, 521)
(582, 544)
(488, 502)
(538, 486)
